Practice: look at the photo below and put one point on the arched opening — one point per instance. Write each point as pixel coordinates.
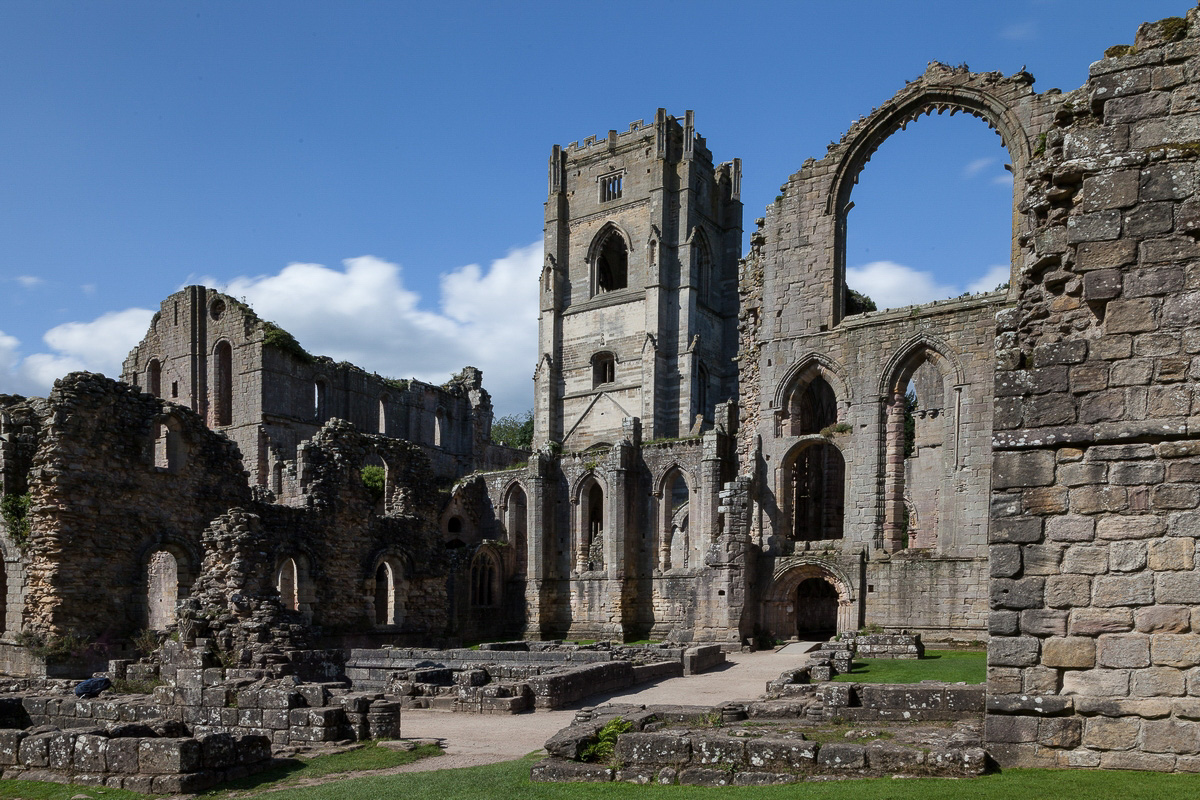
(319, 401)
(384, 401)
(439, 428)
(611, 268)
(675, 545)
(485, 579)
(812, 407)
(391, 593)
(222, 403)
(814, 482)
(702, 392)
(516, 521)
(816, 609)
(604, 369)
(277, 478)
(287, 581)
(3, 597)
(922, 456)
(454, 526)
(162, 590)
(706, 292)
(170, 451)
(934, 215)
(589, 551)
(154, 377)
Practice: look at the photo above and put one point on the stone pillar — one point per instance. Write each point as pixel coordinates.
(893, 467)
(539, 532)
(618, 530)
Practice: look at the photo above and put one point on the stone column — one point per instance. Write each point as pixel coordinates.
(893, 466)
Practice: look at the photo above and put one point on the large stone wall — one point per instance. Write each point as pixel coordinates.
(1095, 478)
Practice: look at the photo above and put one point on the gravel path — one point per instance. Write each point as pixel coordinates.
(474, 739)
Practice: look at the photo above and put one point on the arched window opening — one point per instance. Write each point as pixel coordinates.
(816, 486)
(590, 553)
(439, 428)
(277, 478)
(222, 405)
(921, 455)
(612, 264)
(454, 525)
(287, 581)
(391, 592)
(812, 408)
(932, 216)
(604, 369)
(170, 452)
(3, 597)
(384, 401)
(675, 541)
(162, 590)
(154, 377)
(485, 579)
(516, 526)
(319, 401)
(816, 609)
(706, 291)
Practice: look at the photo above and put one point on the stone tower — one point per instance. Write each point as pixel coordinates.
(639, 287)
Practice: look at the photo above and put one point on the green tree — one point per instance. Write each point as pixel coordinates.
(514, 430)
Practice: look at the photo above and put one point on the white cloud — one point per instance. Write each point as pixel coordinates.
(364, 314)
(88, 288)
(1003, 179)
(97, 346)
(1020, 31)
(996, 275)
(28, 281)
(893, 285)
(978, 165)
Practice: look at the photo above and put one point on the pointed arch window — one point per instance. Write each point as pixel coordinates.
(612, 264)
(604, 369)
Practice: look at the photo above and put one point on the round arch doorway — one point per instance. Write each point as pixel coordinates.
(816, 602)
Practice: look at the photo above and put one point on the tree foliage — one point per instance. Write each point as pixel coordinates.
(514, 430)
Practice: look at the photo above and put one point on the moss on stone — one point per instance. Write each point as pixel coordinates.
(1173, 28)
(280, 339)
(1120, 50)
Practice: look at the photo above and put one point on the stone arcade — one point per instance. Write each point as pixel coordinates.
(720, 444)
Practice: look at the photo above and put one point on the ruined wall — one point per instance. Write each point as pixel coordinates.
(798, 339)
(1095, 479)
(251, 380)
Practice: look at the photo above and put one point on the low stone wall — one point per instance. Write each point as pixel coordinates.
(889, 645)
(927, 700)
(651, 753)
(140, 763)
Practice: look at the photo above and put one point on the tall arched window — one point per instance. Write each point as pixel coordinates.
(319, 401)
(170, 452)
(391, 592)
(485, 579)
(384, 400)
(154, 377)
(612, 264)
(674, 538)
(162, 590)
(589, 554)
(705, 289)
(516, 521)
(815, 478)
(287, 581)
(222, 405)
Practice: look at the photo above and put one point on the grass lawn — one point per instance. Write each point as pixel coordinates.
(936, 665)
(511, 780)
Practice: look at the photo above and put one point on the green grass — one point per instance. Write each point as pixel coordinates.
(369, 757)
(511, 780)
(936, 665)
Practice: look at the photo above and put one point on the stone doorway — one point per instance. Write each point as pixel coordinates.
(816, 609)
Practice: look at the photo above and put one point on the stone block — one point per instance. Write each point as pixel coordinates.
(1126, 556)
(838, 756)
(1095, 621)
(1022, 468)
(1004, 560)
(559, 770)
(1131, 316)
(718, 750)
(1175, 649)
(1124, 590)
(1146, 762)
(1130, 527)
(1068, 591)
(62, 751)
(1158, 682)
(1071, 527)
(1085, 560)
(1177, 587)
(1014, 651)
(1016, 530)
(1043, 622)
(654, 748)
(121, 755)
(10, 744)
(1105, 733)
(1123, 650)
(779, 753)
(1105, 255)
(1060, 732)
(1105, 683)
(1162, 619)
(1069, 652)
(1018, 594)
(700, 776)
(169, 756)
(1171, 554)
(1171, 736)
(1010, 729)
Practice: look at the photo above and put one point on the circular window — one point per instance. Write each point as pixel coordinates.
(217, 309)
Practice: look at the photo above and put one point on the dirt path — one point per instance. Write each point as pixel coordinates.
(474, 739)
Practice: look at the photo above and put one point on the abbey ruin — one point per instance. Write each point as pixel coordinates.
(720, 453)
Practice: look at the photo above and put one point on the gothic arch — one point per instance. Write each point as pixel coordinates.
(908, 357)
(780, 611)
(811, 490)
(805, 369)
(388, 579)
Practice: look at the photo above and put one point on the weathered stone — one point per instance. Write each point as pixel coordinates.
(1071, 652)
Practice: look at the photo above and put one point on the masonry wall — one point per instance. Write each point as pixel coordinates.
(1095, 490)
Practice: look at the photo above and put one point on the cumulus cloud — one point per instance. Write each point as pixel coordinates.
(28, 281)
(97, 346)
(893, 285)
(364, 313)
(996, 275)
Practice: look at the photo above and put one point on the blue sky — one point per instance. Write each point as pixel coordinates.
(371, 174)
